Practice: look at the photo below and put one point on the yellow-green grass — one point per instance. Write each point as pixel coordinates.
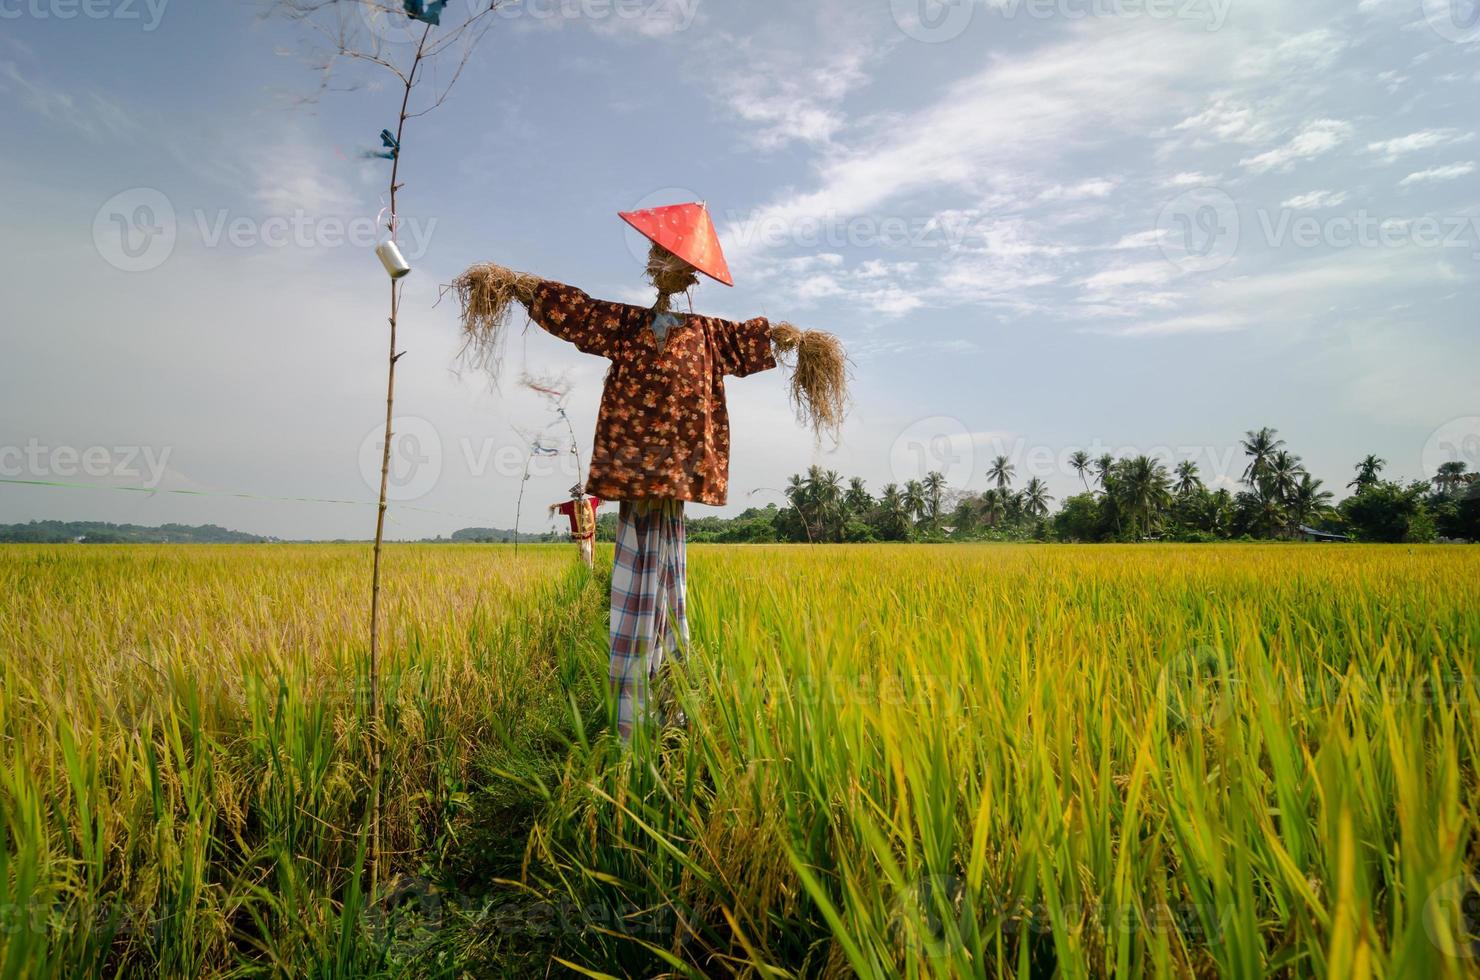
(185, 748)
(1245, 760)
(1031, 761)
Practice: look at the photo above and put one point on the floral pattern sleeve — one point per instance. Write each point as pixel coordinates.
(741, 348)
(594, 326)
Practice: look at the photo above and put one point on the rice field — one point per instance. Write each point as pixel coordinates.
(917, 761)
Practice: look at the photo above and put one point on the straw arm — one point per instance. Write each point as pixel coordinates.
(819, 375)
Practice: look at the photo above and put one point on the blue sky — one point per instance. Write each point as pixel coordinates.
(1039, 225)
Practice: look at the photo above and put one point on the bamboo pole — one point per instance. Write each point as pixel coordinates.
(376, 732)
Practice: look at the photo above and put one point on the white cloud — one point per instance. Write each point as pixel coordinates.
(788, 96)
(1314, 200)
(1097, 187)
(1139, 274)
(1202, 323)
(891, 301)
(990, 128)
(1228, 122)
(289, 177)
(1451, 171)
(1150, 238)
(1191, 178)
(1426, 139)
(89, 113)
(1308, 53)
(1317, 138)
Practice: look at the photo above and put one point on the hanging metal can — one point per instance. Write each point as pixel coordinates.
(390, 257)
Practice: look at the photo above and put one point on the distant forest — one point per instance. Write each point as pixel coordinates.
(102, 532)
(1131, 499)
(99, 532)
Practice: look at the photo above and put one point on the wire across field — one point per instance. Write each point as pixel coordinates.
(919, 761)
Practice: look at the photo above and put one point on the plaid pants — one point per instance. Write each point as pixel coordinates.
(649, 619)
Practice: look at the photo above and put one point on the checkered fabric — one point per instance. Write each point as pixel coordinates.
(649, 618)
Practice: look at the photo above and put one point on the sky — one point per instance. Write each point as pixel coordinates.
(1125, 226)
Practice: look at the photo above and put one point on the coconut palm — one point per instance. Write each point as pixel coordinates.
(1142, 490)
(1367, 471)
(856, 498)
(803, 492)
(1307, 503)
(1104, 469)
(797, 492)
(1001, 472)
(1218, 512)
(894, 515)
(1281, 476)
(1187, 479)
(1080, 462)
(1035, 497)
(935, 488)
(914, 499)
(1260, 446)
(1270, 513)
(825, 490)
(993, 506)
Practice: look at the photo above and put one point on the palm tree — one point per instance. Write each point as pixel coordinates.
(1260, 446)
(1001, 471)
(1307, 503)
(825, 487)
(1142, 491)
(1079, 461)
(1367, 471)
(1104, 469)
(1451, 475)
(1036, 498)
(1270, 513)
(993, 505)
(893, 512)
(857, 499)
(914, 499)
(1187, 479)
(797, 492)
(1281, 475)
(803, 494)
(1218, 512)
(935, 487)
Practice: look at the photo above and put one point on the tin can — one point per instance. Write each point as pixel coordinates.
(390, 257)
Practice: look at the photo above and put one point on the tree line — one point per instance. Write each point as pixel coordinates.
(1132, 498)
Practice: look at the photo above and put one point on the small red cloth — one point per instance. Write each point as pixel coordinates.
(577, 518)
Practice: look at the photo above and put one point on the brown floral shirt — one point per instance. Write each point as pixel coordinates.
(663, 430)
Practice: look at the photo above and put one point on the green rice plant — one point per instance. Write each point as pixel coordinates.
(185, 743)
(1041, 761)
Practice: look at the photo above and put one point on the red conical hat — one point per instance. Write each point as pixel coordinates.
(686, 231)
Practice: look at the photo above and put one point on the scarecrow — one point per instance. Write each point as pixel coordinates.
(663, 432)
(581, 510)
